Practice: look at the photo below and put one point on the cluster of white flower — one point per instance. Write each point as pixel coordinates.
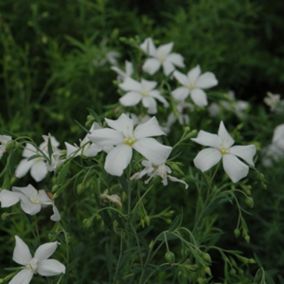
(275, 151)
(119, 138)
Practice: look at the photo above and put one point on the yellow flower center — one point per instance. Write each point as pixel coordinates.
(224, 151)
(145, 93)
(35, 200)
(129, 141)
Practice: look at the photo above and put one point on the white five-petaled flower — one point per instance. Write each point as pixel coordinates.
(124, 137)
(31, 200)
(161, 170)
(194, 84)
(40, 263)
(160, 56)
(221, 148)
(141, 91)
(38, 160)
(4, 141)
(122, 74)
(87, 148)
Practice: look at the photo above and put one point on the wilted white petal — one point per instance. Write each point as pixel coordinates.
(23, 168)
(234, 168)
(245, 152)
(207, 158)
(50, 267)
(106, 136)
(130, 84)
(199, 97)
(23, 277)
(149, 128)
(206, 80)
(130, 99)
(150, 104)
(45, 251)
(207, 139)
(180, 93)
(21, 254)
(151, 66)
(152, 150)
(227, 140)
(118, 159)
(8, 198)
(39, 170)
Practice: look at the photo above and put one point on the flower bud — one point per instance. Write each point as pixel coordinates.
(170, 256)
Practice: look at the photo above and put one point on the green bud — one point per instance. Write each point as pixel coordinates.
(247, 238)
(206, 257)
(249, 202)
(170, 256)
(4, 216)
(237, 232)
(80, 188)
(87, 222)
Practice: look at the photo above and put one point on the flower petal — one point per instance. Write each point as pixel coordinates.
(206, 80)
(50, 267)
(234, 168)
(23, 277)
(152, 150)
(168, 67)
(182, 78)
(130, 84)
(123, 124)
(21, 254)
(151, 66)
(207, 158)
(29, 207)
(244, 152)
(29, 151)
(199, 97)
(118, 159)
(226, 138)
(193, 74)
(130, 99)
(165, 49)
(180, 93)
(28, 190)
(156, 94)
(8, 198)
(106, 137)
(45, 251)
(55, 217)
(150, 104)
(148, 47)
(207, 139)
(23, 168)
(176, 59)
(71, 150)
(39, 170)
(150, 128)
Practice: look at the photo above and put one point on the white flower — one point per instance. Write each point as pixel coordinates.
(38, 160)
(39, 264)
(221, 148)
(160, 56)
(144, 92)
(194, 84)
(122, 74)
(272, 100)
(31, 200)
(125, 138)
(112, 57)
(278, 137)
(161, 170)
(87, 148)
(4, 141)
(113, 198)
